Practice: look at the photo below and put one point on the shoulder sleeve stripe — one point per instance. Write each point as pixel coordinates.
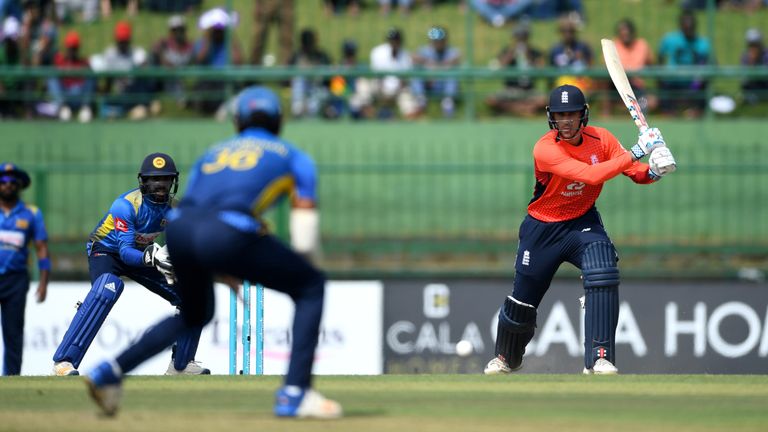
(135, 199)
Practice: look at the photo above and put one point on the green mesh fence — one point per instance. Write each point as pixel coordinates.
(432, 198)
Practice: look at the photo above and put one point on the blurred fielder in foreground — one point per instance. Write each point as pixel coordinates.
(217, 230)
(20, 223)
(572, 161)
(123, 244)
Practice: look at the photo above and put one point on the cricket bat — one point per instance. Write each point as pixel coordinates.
(620, 81)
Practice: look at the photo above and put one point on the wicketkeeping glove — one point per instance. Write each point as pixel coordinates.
(648, 140)
(157, 257)
(662, 163)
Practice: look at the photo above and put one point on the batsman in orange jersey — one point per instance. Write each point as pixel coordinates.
(572, 161)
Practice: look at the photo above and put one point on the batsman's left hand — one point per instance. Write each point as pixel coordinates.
(649, 140)
(661, 162)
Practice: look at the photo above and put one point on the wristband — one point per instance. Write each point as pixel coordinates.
(653, 175)
(44, 264)
(637, 151)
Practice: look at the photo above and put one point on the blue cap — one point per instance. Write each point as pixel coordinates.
(158, 164)
(566, 98)
(257, 98)
(436, 33)
(11, 169)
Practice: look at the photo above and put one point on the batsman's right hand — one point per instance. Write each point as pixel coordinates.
(648, 140)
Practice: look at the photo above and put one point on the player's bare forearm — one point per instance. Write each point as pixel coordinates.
(42, 286)
(304, 203)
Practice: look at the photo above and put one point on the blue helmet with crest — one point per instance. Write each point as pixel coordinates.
(258, 107)
(158, 178)
(14, 173)
(567, 98)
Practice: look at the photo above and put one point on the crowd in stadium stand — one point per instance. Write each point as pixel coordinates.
(30, 37)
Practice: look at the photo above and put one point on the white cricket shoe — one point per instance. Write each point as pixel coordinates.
(292, 401)
(105, 387)
(497, 366)
(107, 397)
(64, 368)
(602, 367)
(193, 368)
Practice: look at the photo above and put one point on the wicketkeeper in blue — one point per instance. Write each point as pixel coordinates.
(123, 245)
(217, 231)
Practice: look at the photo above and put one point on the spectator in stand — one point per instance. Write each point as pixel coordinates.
(749, 5)
(684, 48)
(386, 6)
(89, 10)
(171, 6)
(131, 7)
(755, 89)
(635, 54)
(499, 12)
(10, 8)
(519, 96)
(11, 104)
(336, 7)
(308, 94)
(389, 90)
(126, 95)
(174, 51)
(38, 46)
(266, 12)
(571, 55)
(71, 93)
(549, 9)
(211, 51)
(344, 96)
(435, 56)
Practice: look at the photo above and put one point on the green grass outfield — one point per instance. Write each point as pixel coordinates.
(402, 403)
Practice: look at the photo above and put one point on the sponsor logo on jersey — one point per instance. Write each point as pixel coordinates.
(146, 238)
(121, 225)
(11, 238)
(594, 160)
(22, 223)
(158, 162)
(574, 189)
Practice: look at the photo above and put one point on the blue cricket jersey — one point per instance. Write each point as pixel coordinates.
(24, 223)
(247, 174)
(130, 225)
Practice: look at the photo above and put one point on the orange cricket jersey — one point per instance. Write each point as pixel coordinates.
(569, 178)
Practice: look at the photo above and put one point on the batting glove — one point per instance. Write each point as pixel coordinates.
(648, 140)
(661, 163)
